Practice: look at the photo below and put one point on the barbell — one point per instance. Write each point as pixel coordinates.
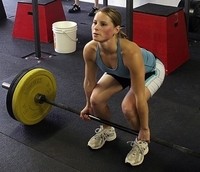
(31, 96)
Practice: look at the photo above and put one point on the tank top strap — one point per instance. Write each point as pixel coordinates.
(119, 54)
(118, 49)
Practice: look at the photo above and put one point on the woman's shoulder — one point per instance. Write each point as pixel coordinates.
(90, 46)
(128, 46)
(90, 49)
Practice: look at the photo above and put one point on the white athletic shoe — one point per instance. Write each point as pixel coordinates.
(102, 135)
(136, 155)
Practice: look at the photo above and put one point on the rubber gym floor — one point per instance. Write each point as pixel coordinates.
(59, 142)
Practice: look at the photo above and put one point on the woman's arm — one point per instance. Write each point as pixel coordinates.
(134, 61)
(89, 55)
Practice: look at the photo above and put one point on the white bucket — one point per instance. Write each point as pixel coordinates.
(64, 34)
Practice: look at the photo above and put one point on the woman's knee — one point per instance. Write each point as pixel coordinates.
(95, 100)
(128, 110)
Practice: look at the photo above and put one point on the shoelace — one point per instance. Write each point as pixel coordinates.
(134, 144)
(100, 134)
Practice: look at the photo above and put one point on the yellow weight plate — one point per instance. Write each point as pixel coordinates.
(12, 89)
(24, 107)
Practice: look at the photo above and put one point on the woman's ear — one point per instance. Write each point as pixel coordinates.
(117, 29)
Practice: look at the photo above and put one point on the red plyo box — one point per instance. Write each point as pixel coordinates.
(162, 30)
(49, 11)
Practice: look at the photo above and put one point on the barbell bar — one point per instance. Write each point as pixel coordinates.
(31, 96)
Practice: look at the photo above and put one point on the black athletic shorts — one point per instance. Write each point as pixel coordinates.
(126, 82)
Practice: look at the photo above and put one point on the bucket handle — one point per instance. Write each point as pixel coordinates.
(75, 40)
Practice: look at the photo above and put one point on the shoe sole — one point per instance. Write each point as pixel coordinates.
(74, 11)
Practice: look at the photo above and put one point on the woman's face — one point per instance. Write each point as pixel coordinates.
(102, 28)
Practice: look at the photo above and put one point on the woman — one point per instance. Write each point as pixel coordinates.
(124, 64)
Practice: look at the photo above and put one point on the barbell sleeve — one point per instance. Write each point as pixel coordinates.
(5, 85)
